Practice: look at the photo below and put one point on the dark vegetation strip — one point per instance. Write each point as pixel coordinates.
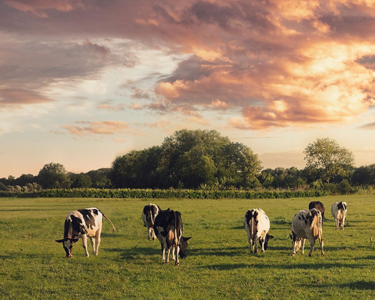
(169, 194)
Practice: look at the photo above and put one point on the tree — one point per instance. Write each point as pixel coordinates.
(326, 157)
(53, 176)
(188, 158)
(100, 178)
(364, 175)
(80, 180)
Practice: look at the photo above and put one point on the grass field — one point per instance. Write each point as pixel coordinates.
(218, 266)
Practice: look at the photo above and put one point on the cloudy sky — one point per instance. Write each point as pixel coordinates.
(84, 81)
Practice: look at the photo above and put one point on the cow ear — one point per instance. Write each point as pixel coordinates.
(60, 241)
(269, 236)
(187, 238)
(74, 240)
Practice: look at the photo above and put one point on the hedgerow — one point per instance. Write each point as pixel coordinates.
(168, 194)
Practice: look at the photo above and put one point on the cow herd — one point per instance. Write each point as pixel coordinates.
(167, 227)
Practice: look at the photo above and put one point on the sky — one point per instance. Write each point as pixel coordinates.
(85, 81)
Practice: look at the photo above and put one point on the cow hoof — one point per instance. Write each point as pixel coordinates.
(310, 255)
(293, 254)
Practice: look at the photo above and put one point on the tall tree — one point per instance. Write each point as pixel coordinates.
(53, 175)
(189, 158)
(328, 159)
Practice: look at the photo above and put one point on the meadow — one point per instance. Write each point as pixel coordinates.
(219, 264)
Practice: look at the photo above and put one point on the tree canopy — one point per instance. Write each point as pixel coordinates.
(327, 160)
(188, 158)
(53, 175)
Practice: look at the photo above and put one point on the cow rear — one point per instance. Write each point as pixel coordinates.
(169, 229)
(257, 226)
(307, 224)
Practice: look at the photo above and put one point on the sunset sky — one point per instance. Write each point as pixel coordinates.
(84, 81)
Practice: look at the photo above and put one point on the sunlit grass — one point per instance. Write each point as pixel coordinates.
(218, 266)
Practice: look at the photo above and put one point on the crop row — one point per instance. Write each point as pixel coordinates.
(169, 194)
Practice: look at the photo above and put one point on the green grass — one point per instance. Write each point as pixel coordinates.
(218, 266)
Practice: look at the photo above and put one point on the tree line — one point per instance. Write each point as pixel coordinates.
(202, 159)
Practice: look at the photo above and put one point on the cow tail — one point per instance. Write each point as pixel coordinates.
(113, 226)
(252, 221)
(176, 237)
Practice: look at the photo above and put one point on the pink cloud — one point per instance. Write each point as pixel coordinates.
(18, 97)
(281, 63)
(97, 128)
(39, 7)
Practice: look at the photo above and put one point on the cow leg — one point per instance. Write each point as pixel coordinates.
(293, 244)
(256, 240)
(321, 246)
(167, 258)
(312, 245)
(251, 244)
(162, 252)
(303, 246)
(84, 243)
(173, 256)
(97, 240)
(177, 252)
(92, 240)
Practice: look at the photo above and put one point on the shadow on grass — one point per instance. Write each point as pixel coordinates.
(357, 285)
(262, 266)
(135, 253)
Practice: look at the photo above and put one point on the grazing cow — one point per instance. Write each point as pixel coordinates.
(148, 216)
(319, 206)
(338, 211)
(307, 224)
(83, 223)
(168, 229)
(257, 225)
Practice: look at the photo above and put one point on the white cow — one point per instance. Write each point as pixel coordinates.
(83, 223)
(257, 225)
(338, 211)
(307, 224)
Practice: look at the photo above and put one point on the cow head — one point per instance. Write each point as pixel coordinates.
(183, 245)
(268, 237)
(68, 245)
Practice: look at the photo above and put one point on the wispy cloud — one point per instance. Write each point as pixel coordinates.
(96, 128)
(20, 97)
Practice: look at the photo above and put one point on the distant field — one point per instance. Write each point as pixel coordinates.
(218, 266)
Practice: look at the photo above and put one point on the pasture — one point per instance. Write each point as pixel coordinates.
(219, 264)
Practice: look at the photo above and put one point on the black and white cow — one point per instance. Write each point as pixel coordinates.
(83, 223)
(307, 224)
(149, 214)
(257, 225)
(338, 211)
(319, 206)
(168, 229)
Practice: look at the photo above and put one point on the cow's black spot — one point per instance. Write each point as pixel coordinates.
(88, 217)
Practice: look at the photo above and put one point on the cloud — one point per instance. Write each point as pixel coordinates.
(19, 97)
(108, 105)
(369, 126)
(280, 63)
(97, 128)
(40, 7)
